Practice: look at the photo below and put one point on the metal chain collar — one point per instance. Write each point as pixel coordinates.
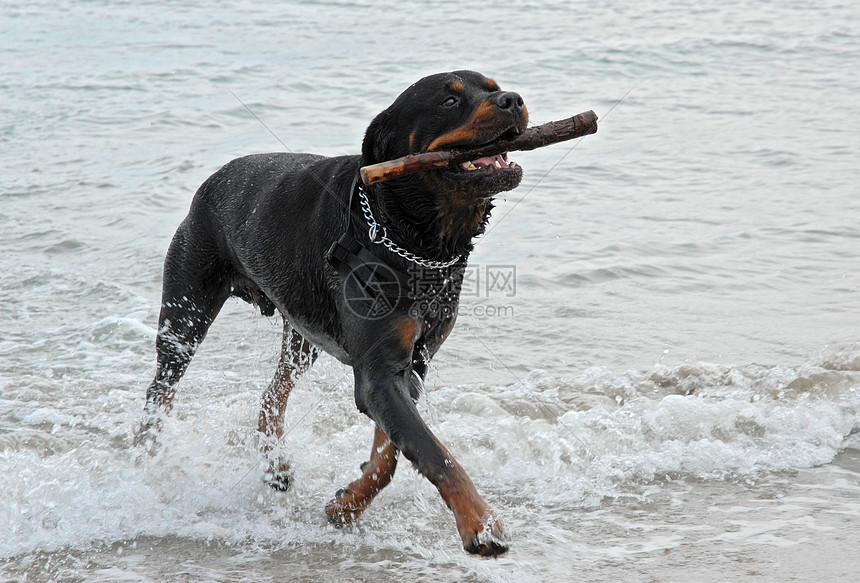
(376, 230)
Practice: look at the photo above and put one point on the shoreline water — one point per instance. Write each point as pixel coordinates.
(675, 395)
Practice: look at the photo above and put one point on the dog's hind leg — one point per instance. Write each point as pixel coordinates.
(194, 290)
(297, 355)
(376, 473)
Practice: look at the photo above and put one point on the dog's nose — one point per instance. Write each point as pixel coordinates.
(509, 101)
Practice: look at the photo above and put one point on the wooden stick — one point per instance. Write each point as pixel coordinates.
(582, 124)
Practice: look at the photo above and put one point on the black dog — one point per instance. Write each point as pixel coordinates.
(370, 275)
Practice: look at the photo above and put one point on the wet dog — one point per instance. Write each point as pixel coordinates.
(370, 275)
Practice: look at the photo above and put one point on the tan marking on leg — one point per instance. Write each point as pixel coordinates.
(481, 532)
(163, 399)
(296, 358)
(376, 474)
(271, 425)
(271, 420)
(407, 332)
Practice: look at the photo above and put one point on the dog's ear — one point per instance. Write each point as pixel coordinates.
(378, 139)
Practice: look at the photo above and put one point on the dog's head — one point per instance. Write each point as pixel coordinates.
(456, 110)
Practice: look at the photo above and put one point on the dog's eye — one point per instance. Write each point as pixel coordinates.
(451, 101)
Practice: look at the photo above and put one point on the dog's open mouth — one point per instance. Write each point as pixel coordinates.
(486, 175)
(492, 163)
(488, 163)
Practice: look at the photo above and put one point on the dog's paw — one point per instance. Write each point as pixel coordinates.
(146, 436)
(490, 541)
(279, 477)
(488, 547)
(340, 511)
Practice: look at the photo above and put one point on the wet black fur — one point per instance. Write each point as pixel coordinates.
(260, 227)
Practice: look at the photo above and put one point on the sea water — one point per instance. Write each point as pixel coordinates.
(655, 374)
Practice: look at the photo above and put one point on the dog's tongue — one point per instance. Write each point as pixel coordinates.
(491, 161)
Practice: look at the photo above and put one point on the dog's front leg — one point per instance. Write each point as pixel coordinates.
(386, 400)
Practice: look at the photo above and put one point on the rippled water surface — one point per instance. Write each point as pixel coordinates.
(669, 392)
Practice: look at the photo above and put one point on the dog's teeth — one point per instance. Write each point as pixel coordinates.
(498, 165)
(468, 166)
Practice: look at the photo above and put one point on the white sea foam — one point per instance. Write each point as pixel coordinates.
(72, 478)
